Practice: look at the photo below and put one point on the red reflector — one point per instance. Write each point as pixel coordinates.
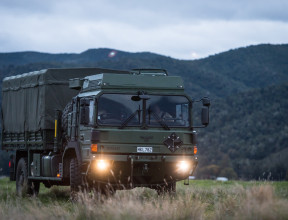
(10, 164)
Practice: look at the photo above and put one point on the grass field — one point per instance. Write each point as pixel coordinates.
(202, 199)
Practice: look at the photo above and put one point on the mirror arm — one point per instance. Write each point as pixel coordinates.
(200, 126)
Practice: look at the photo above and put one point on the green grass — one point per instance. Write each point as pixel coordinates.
(202, 199)
(281, 187)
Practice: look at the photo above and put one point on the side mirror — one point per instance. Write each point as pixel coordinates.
(137, 98)
(84, 111)
(205, 115)
(206, 102)
(194, 138)
(145, 97)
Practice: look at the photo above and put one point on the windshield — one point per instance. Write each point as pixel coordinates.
(114, 109)
(125, 110)
(171, 110)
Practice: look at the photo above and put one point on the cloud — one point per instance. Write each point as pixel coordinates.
(160, 9)
(182, 29)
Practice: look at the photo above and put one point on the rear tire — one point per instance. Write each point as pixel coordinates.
(23, 185)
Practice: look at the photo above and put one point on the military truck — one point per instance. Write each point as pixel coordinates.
(100, 129)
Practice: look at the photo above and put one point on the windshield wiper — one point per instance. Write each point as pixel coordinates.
(124, 124)
(159, 120)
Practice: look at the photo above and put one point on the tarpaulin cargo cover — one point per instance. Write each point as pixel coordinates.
(29, 100)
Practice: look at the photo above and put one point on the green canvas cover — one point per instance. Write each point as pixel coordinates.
(29, 100)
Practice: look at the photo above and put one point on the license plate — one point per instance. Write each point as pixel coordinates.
(144, 149)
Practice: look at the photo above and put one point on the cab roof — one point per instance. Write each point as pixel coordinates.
(132, 81)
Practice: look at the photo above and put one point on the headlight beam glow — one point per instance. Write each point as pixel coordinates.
(102, 165)
(183, 166)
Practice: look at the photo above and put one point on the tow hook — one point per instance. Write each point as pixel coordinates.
(186, 181)
(145, 168)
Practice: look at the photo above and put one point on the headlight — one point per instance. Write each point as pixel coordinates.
(183, 166)
(102, 165)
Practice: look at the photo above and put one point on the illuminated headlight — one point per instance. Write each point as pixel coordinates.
(183, 166)
(102, 165)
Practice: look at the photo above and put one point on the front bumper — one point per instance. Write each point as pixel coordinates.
(140, 170)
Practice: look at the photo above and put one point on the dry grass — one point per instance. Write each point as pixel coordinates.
(210, 201)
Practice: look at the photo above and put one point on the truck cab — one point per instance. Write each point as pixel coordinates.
(135, 130)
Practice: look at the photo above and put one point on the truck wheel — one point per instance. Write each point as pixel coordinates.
(104, 190)
(47, 184)
(171, 187)
(167, 188)
(75, 176)
(107, 190)
(23, 185)
(33, 188)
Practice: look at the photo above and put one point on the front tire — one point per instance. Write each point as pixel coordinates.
(168, 188)
(75, 176)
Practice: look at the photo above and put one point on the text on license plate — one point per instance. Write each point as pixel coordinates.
(144, 149)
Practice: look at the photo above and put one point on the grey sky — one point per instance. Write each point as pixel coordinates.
(184, 29)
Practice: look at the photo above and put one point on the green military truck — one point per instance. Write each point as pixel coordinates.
(98, 129)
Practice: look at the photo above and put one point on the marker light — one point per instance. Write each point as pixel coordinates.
(183, 166)
(94, 148)
(195, 149)
(102, 164)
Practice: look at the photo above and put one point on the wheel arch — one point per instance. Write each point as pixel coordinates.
(71, 151)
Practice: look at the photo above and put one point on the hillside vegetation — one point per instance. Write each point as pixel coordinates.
(247, 135)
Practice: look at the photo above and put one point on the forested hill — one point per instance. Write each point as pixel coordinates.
(248, 132)
(243, 69)
(247, 87)
(217, 76)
